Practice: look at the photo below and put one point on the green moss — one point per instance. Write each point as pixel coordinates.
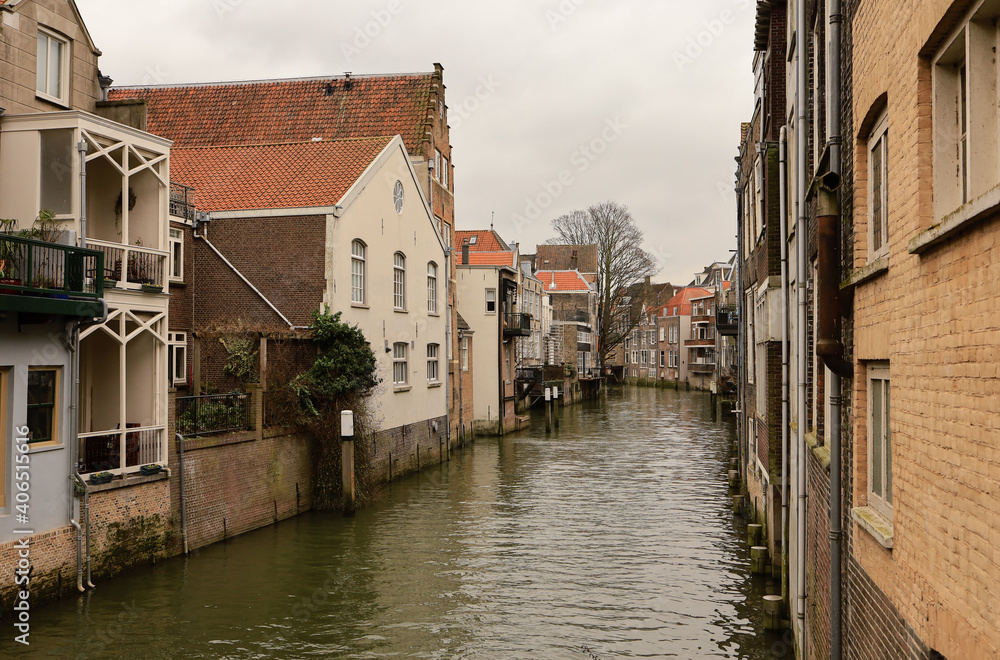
(143, 538)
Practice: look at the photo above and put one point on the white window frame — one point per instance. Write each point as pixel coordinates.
(879, 458)
(432, 287)
(465, 353)
(359, 265)
(399, 282)
(43, 67)
(177, 347)
(176, 244)
(399, 368)
(433, 350)
(437, 164)
(878, 201)
(444, 172)
(491, 293)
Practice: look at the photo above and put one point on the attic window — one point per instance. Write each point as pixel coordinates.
(472, 240)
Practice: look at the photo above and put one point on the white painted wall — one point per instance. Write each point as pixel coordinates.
(472, 284)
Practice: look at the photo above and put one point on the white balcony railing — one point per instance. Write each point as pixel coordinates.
(121, 451)
(131, 266)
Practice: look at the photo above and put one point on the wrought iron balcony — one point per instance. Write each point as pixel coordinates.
(181, 201)
(49, 278)
(142, 268)
(727, 321)
(516, 324)
(701, 367)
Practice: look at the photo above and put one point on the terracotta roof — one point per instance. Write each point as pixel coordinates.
(562, 280)
(487, 240)
(296, 110)
(273, 176)
(501, 258)
(682, 300)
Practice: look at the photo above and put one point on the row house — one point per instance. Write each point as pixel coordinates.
(638, 297)
(227, 114)
(83, 306)
(642, 347)
(677, 321)
(868, 204)
(574, 320)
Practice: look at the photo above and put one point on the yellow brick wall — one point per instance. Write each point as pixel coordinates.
(936, 318)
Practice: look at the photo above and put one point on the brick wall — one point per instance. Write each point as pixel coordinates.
(408, 448)
(818, 556)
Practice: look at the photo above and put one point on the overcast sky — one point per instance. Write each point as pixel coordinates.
(554, 105)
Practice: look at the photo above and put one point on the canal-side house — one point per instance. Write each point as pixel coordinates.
(700, 345)
(412, 106)
(574, 325)
(488, 282)
(81, 301)
(354, 235)
(677, 313)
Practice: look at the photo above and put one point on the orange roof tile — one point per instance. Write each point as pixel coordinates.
(273, 176)
(562, 280)
(487, 240)
(501, 258)
(296, 110)
(682, 300)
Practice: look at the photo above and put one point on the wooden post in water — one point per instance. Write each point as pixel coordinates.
(347, 459)
(555, 406)
(738, 504)
(548, 410)
(734, 479)
(758, 559)
(772, 612)
(754, 533)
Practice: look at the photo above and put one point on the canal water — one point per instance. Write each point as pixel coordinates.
(611, 538)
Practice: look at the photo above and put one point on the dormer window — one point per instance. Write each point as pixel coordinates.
(52, 67)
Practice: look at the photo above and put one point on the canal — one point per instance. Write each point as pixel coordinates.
(611, 538)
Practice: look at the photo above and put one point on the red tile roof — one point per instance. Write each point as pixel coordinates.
(273, 176)
(297, 110)
(500, 258)
(562, 280)
(682, 300)
(487, 240)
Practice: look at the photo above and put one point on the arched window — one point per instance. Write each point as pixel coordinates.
(358, 255)
(399, 281)
(432, 287)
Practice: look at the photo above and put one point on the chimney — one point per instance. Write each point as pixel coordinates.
(647, 280)
(465, 252)
(348, 83)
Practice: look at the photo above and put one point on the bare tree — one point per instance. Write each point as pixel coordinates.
(621, 261)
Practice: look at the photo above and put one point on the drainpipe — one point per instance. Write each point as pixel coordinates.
(832, 353)
(801, 136)
(75, 453)
(461, 420)
(81, 147)
(783, 229)
(184, 530)
(447, 349)
(740, 328)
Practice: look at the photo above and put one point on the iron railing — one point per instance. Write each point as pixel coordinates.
(181, 201)
(131, 264)
(118, 451)
(727, 320)
(38, 267)
(517, 324)
(213, 413)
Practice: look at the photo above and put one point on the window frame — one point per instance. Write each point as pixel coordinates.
(878, 139)
(176, 239)
(361, 262)
(433, 363)
(432, 288)
(53, 439)
(400, 375)
(444, 172)
(65, 62)
(488, 301)
(177, 347)
(399, 282)
(464, 351)
(880, 501)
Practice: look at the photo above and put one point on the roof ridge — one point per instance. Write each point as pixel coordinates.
(258, 81)
(373, 138)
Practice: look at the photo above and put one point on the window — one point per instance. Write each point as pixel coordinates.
(359, 253)
(662, 356)
(465, 353)
(432, 363)
(662, 329)
(399, 281)
(176, 254)
(397, 196)
(399, 363)
(437, 164)
(635, 357)
(444, 172)
(878, 196)
(43, 388)
(964, 88)
(177, 357)
(57, 160)
(52, 66)
(491, 301)
(879, 440)
(432, 287)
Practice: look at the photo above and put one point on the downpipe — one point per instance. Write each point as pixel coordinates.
(184, 533)
(801, 230)
(783, 229)
(78, 482)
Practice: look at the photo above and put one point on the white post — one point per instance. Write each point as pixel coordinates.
(347, 458)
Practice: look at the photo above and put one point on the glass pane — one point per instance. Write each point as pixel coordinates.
(40, 423)
(876, 215)
(888, 448)
(41, 54)
(55, 68)
(876, 437)
(41, 387)
(57, 170)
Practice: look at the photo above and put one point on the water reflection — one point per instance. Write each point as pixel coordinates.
(614, 534)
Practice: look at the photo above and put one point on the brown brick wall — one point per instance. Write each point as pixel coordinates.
(567, 257)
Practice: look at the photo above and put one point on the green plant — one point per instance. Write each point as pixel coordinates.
(241, 359)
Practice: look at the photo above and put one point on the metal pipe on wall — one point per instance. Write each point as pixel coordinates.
(801, 133)
(783, 229)
(180, 452)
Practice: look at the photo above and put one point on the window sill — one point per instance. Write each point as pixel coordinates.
(401, 388)
(52, 99)
(866, 273)
(42, 448)
(361, 306)
(435, 383)
(957, 221)
(180, 283)
(872, 522)
(433, 314)
(400, 311)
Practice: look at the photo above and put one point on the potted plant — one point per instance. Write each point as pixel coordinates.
(152, 468)
(98, 478)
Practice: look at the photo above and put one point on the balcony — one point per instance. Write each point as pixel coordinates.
(145, 268)
(727, 321)
(181, 201)
(516, 324)
(120, 452)
(701, 367)
(49, 278)
(214, 413)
